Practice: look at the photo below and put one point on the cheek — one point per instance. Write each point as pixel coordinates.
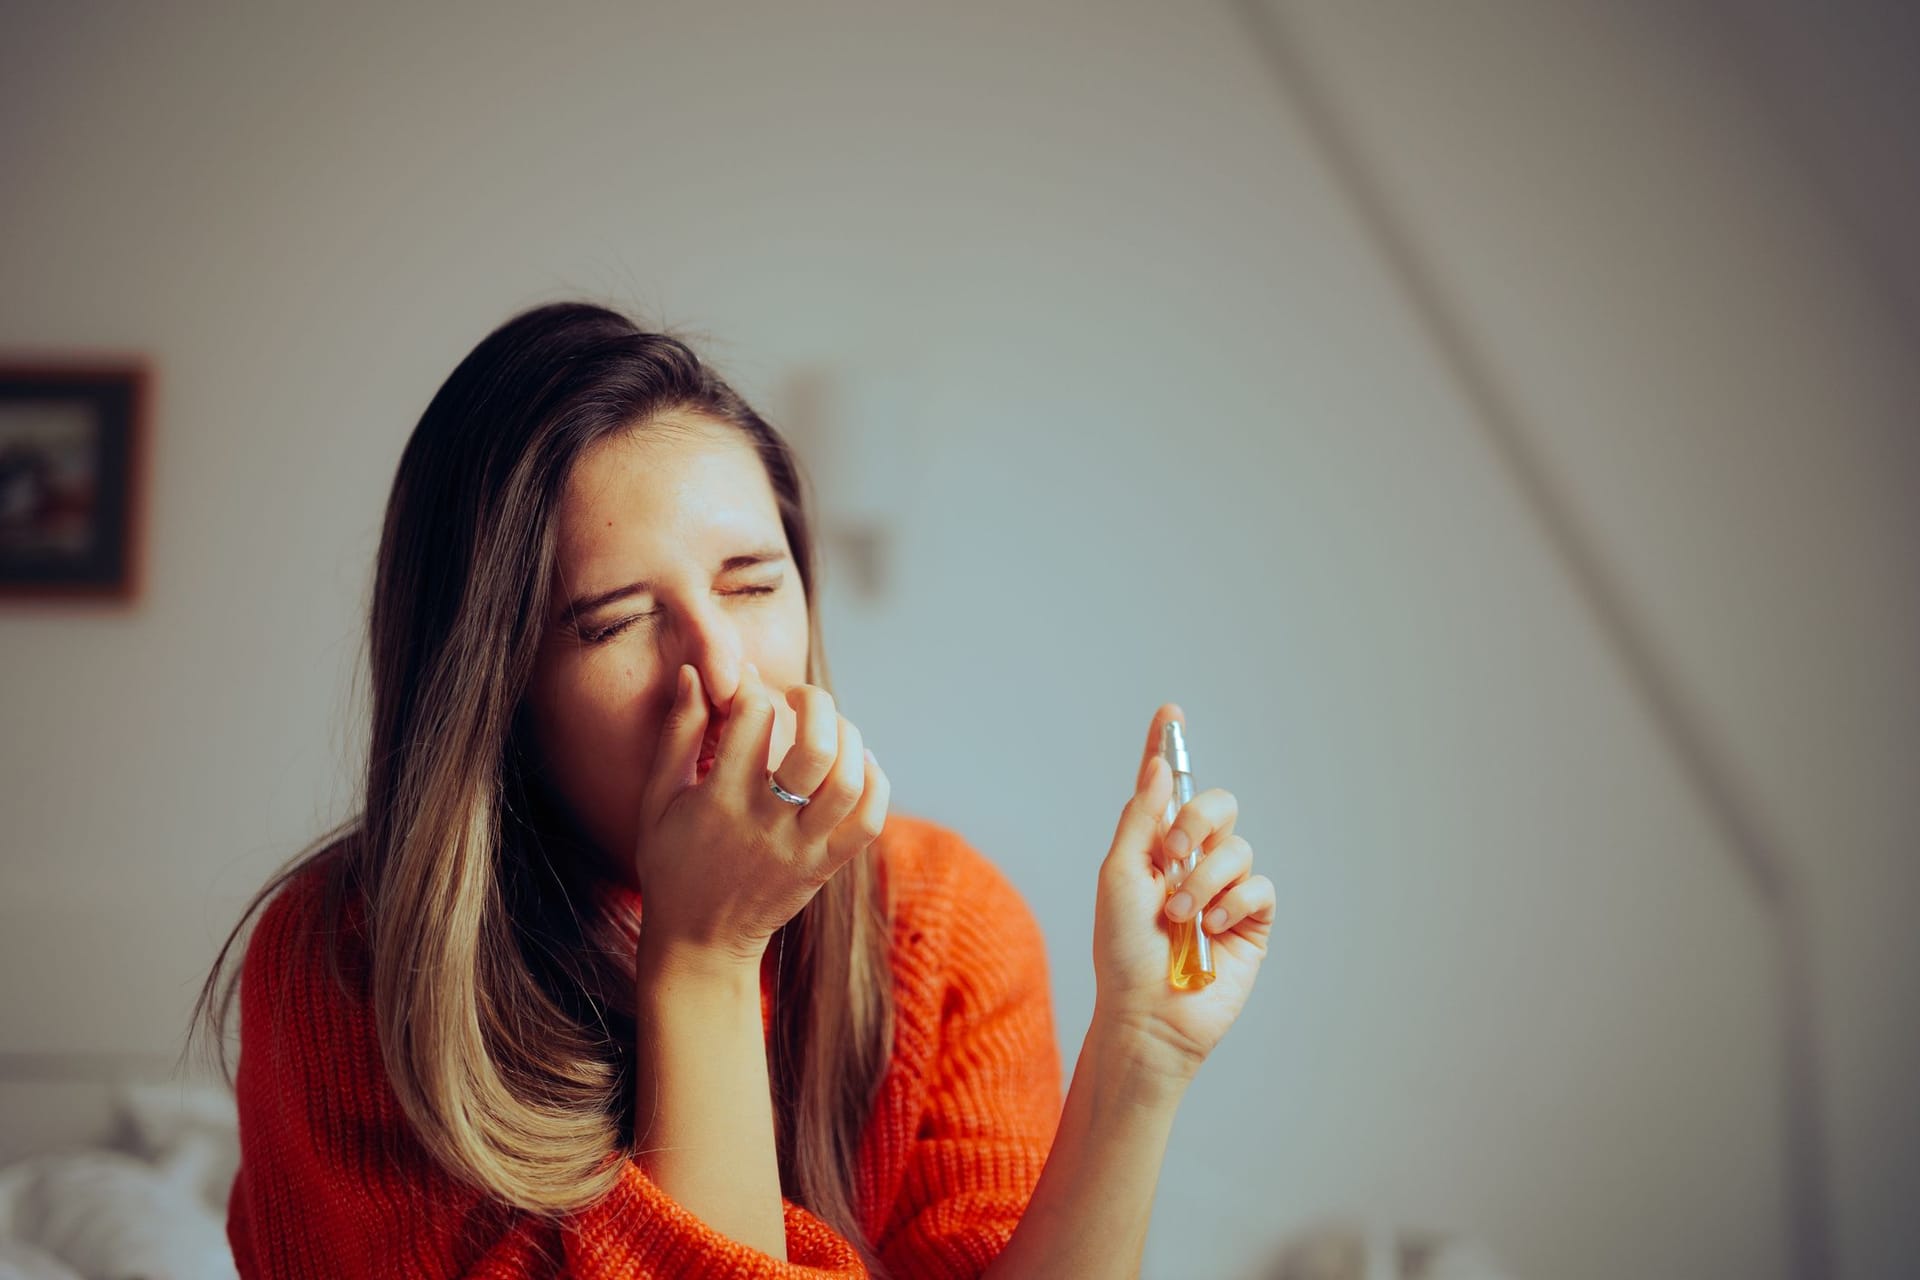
(599, 732)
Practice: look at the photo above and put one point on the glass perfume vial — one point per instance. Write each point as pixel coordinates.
(1191, 963)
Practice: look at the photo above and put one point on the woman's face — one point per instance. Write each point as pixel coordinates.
(681, 525)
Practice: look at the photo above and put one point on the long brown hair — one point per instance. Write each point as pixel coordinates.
(505, 1011)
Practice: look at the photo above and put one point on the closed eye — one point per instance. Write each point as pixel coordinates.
(614, 629)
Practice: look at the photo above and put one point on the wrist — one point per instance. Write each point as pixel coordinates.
(664, 959)
(1137, 1060)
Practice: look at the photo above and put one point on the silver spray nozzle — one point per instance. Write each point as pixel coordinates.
(1173, 747)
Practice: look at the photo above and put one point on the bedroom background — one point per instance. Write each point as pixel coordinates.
(1533, 387)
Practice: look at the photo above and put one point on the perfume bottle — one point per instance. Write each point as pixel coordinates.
(1191, 964)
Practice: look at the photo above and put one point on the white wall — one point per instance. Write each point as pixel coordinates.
(1518, 988)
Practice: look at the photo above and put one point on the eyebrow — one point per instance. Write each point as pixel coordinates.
(745, 560)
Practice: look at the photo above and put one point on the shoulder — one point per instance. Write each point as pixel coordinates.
(311, 1070)
(957, 915)
(307, 945)
(936, 876)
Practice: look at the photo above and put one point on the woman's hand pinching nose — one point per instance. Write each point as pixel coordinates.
(722, 862)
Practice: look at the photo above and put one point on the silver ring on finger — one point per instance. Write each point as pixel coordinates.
(774, 784)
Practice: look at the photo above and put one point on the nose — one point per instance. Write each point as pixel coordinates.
(711, 645)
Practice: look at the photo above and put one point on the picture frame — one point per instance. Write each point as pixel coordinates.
(72, 479)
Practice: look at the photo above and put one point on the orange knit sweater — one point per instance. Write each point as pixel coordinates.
(333, 1183)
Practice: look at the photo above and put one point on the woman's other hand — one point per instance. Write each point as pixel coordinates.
(721, 861)
(1139, 906)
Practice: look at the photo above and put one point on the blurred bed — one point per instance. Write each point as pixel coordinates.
(112, 1170)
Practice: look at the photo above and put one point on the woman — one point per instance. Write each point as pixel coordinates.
(598, 682)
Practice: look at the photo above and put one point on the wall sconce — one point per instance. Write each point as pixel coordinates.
(861, 444)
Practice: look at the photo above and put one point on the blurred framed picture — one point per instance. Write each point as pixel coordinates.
(72, 452)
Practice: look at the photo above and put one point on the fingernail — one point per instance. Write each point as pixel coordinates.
(1177, 843)
(1176, 872)
(1216, 918)
(1180, 905)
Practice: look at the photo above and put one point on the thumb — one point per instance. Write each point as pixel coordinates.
(1138, 833)
(677, 754)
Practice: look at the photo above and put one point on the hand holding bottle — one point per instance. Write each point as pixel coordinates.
(1144, 902)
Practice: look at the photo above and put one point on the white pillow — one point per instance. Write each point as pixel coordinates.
(20, 1261)
(157, 1212)
(113, 1217)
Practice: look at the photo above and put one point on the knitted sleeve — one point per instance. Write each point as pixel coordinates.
(994, 1099)
(333, 1183)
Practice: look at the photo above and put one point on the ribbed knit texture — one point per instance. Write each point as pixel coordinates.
(333, 1182)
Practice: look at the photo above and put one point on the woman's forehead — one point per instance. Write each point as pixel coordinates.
(658, 494)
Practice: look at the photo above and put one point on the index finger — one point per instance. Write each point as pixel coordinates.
(1168, 711)
(676, 756)
(740, 759)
